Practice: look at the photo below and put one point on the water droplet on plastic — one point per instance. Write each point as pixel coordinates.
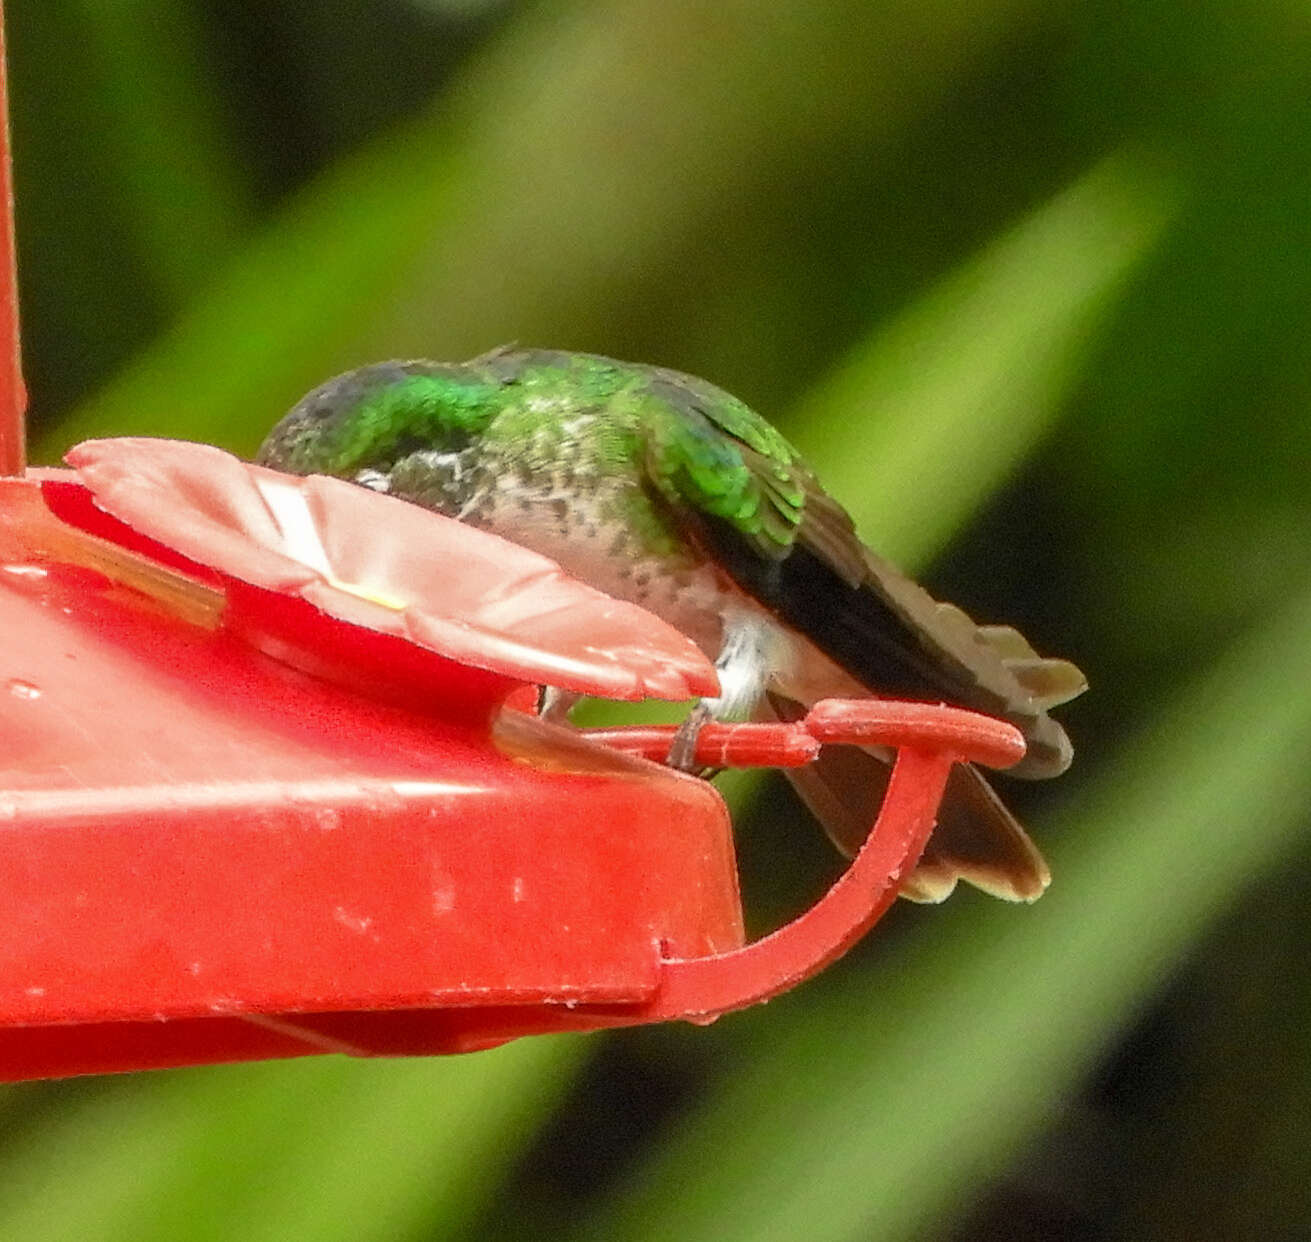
(352, 922)
(443, 897)
(21, 689)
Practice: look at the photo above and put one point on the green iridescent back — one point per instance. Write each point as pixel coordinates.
(695, 446)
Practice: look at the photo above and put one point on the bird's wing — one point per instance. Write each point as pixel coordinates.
(743, 492)
(711, 458)
(895, 638)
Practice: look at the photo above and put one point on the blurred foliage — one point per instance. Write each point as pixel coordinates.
(1032, 285)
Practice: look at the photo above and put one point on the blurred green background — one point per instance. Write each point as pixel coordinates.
(1031, 282)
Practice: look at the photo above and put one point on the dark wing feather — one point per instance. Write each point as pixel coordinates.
(894, 638)
(799, 554)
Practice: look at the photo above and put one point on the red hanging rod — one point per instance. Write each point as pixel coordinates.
(13, 396)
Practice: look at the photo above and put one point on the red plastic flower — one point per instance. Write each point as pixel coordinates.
(391, 567)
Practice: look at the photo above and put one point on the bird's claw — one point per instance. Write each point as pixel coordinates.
(554, 704)
(682, 752)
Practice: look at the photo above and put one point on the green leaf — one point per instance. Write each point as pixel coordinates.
(953, 395)
(162, 130)
(324, 1149)
(493, 218)
(881, 1107)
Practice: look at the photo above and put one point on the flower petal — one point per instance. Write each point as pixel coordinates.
(389, 565)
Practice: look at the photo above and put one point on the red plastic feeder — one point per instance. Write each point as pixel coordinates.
(265, 792)
(264, 795)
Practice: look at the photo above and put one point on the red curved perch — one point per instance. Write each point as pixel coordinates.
(928, 740)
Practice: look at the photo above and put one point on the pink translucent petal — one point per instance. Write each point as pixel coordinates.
(391, 566)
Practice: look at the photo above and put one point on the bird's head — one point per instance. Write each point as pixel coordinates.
(377, 413)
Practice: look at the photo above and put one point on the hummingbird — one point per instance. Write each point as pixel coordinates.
(662, 489)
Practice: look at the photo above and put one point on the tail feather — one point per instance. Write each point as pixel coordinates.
(976, 838)
(1005, 640)
(1049, 681)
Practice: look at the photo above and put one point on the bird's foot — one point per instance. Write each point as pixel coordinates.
(682, 753)
(554, 704)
